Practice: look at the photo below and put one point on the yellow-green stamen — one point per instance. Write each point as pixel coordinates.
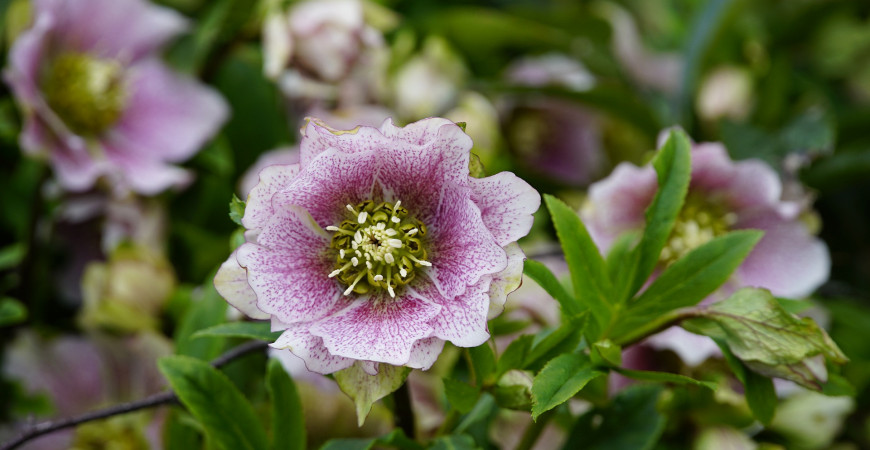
(379, 247)
(87, 93)
(697, 223)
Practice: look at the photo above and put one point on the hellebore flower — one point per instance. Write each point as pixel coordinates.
(723, 195)
(378, 246)
(99, 102)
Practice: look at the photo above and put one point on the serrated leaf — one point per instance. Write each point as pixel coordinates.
(545, 278)
(767, 339)
(365, 389)
(561, 379)
(592, 287)
(689, 280)
(550, 343)
(606, 353)
(673, 166)
(664, 377)
(247, 330)
(288, 420)
(11, 311)
(462, 396)
(237, 210)
(227, 417)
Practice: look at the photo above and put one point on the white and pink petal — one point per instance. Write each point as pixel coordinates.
(506, 205)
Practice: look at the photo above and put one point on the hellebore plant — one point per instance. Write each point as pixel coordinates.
(377, 248)
(98, 101)
(723, 196)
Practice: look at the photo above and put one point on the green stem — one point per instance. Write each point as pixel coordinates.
(534, 430)
(660, 323)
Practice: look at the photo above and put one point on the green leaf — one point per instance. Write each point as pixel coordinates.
(631, 421)
(484, 409)
(689, 280)
(545, 278)
(207, 308)
(515, 355)
(395, 438)
(592, 288)
(767, 339)
(606, 353)
(365, 389)
(288, 420)
(462, 396)
(760, 396)
(559, 380)
(673, 165)
(551, 343)
(619, 257)
(11, 311)
(179, 433)
(664, 377)
(454, 442)
(246, 330)
(211, 397)
(837, 386)
(237, 210)
(12, 255)
(483, 364)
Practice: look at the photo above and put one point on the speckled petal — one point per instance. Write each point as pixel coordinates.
(462, 319)
(231, 282)
(329, 183)
(506, 205)
(788, 260)
(317, 137)
(420, 132)
(462, 249)
(378, 328)
(743, 184)
(425, 352)
(310, 348)
(506, 281)
(259, 205)
(288, 267)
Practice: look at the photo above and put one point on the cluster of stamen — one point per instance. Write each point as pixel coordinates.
(697, 223)
(379, 247)
(87, 93)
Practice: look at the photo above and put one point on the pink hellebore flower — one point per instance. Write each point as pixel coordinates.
(99, 102)
(378, 246)
(723, 195)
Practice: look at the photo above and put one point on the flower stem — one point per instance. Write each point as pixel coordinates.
(162, 398)
(660, 323)
(404, 413)
(534, 430)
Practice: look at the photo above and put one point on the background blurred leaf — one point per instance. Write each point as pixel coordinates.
(247, 330)
(288, 420)
(11, 311)
(630, 421)
(207, 309)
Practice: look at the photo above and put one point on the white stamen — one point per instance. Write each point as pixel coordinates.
(379, 277)
(339, 270)
(390, 232)
(381, 225)
(332, 228)
(420, 261)
(395, 243)
(391, 291)
(403, 272)
(354, 261)
(395, 219)
(353, 285)
(369, 264)
(362, 217)
(398, 203)
(354, 245)
(350, 208)
(358, 237)
(412, 232)
(389, 258)
(341, 253)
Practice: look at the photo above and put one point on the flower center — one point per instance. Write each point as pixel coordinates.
(698, 223)
(87, 93)
(378, 248)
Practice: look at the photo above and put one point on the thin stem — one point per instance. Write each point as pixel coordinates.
(664, 321)
(404, 412)
(162, 398)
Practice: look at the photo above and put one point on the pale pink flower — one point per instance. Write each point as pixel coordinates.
(378, 246)
(723, 195)
(98, 101)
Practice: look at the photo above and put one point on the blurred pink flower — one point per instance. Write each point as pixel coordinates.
(81, 374)
(723, 195)
(99, 102)
(378, 246)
